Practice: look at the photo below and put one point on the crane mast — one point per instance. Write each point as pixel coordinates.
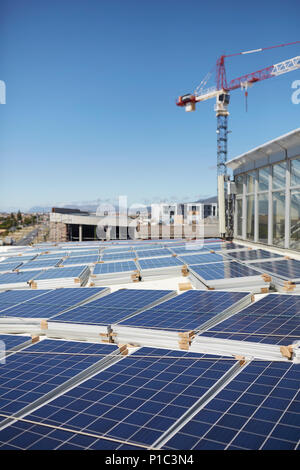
(221, 92)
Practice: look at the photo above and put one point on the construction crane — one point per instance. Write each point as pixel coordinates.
(221, 92)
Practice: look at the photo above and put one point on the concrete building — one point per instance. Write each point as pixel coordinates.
(168, 221)
(267, 200)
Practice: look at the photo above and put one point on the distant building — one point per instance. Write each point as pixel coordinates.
(267, 201)
(165, 221)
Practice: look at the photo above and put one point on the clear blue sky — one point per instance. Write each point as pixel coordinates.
(91, 90)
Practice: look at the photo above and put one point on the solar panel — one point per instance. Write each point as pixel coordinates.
(20, 277)
(25, 436)
(57, 273)
(30, 374)
(187, 311)
(224, 270)
(288, 269)
(163, 262)
(118, 256)
(153, 253)
(249, 255)
(113, 307)
(53, 303)
(189, 250)
(13, 297)
(258, 409)
(9, 266)
(77, 253)
(134, 401)
(43, 256)
(227, 247)
(115, 267)
(10, 343)
(81, 260)
(40, 263)
(273, 319)
(201, 258)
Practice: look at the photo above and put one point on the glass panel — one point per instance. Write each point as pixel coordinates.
(263, 179)
(250, 181)
(279, 175)
(263, 200)
(295, 172)
(278, 218)
(295, 220)
(250, 218)
(239, 180)
(239, 217)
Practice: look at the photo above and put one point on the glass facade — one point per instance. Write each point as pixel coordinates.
(250, 218)
(295, 172)
(263, 210)
(279, 172)
(263, 179)
(278, 202)
(295, 220)
(239, 182)
(239, 207)
(268, 204)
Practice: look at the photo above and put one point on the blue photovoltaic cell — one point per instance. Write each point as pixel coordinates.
(186, 311)
(9, 266)
(57, 273)
(116, 250)
(60, 255)
(287, 269)
(228, 246)
(201, 258)
(115, 267)
(31, 373)
(25, 436)
(118, 256)
(50, 304)
(18, 259)
(11, 342)
(133, 401)
(249, 255)
(40, 263)
(189, 250)
(274, 319)
(13, 297)
(224, 270)
(81, 260)
(75, 254)
(153, 253)
(164, 262)
(68, 297)
(258, 409)
(22, 276)
(113, 307)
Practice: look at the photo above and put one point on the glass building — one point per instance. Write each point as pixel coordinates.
(267, 200)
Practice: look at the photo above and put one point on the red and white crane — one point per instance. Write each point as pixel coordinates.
(222, 93)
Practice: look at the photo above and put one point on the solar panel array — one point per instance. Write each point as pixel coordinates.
(113, 307)
(135, 400)
(187, 311)
(115, 267)
(30, 374)
(288, 269)
(250, 255)
(259, 409)
(153, 397)
(162, 262)
(274, 319)
(224, 270)
(48, 304)
(201, 258)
